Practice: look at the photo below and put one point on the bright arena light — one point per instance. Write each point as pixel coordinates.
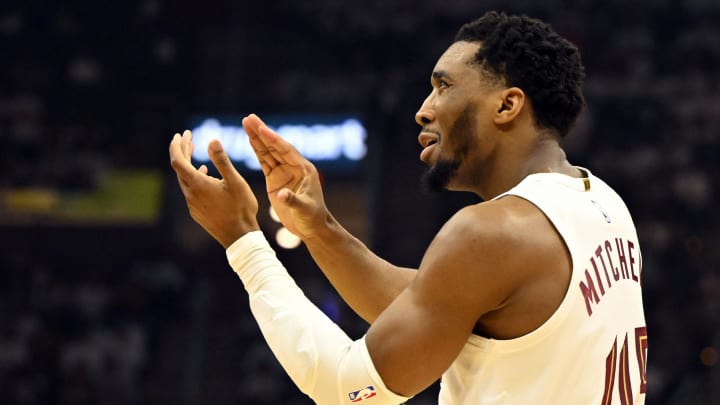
(286, 239)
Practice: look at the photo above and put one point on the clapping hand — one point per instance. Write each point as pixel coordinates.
(226, 208)
(292, 182)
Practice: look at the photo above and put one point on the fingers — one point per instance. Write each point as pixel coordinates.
(181, 149)
(286, 196)
(190, 146)
(223, 163)
(299, 203)
(179, 158)
(251, 124)
(293, 199)
(270, 148)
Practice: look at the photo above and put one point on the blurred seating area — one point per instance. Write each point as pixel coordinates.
(127, 313)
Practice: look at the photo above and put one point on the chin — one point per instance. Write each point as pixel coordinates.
(438, 177)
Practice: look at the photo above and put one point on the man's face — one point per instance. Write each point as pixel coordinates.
(452, 119)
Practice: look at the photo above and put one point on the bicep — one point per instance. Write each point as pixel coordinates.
(462, 276)
(413, 342)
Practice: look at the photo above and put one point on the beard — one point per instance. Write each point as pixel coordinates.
(437, 177)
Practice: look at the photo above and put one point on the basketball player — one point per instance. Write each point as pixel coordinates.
(531, 297)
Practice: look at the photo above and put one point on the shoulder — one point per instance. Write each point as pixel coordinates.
(491, 249)
(511, 222)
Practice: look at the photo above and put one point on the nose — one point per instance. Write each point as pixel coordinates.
(426, 113)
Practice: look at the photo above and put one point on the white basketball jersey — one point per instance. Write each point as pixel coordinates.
(593, 349)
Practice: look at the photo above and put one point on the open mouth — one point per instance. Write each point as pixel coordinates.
(427, 141)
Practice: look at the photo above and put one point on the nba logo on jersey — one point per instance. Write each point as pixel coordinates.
(365, 393)
(602, 210)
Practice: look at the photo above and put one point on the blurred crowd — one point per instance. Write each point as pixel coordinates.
(75, 333)
(87, 87)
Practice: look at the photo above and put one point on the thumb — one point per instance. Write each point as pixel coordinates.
(291, 199)
(287, 197)
(221, 161)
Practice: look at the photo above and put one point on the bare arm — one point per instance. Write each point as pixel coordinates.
(468, 271)
(294, 190)
(365, 281)
(465, 274)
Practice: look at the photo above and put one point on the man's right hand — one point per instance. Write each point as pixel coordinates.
(292, 182)
(293, 185)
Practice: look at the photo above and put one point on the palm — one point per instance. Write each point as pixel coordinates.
(226, 208)
(283, 177)
(285, 168)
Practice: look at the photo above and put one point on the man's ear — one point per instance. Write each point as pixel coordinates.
(509, 105)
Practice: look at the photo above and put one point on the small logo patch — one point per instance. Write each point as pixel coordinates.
(363, 394)
(602, 210)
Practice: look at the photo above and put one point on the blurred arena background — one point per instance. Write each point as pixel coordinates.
(109, 294)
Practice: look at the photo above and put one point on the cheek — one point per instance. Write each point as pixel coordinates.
(464, 132)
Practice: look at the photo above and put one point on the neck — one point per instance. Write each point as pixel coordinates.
(543, 156)
(548, 157)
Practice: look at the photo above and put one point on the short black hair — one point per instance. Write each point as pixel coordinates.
(529, 54)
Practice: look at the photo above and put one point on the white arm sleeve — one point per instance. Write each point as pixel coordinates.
(317, 355)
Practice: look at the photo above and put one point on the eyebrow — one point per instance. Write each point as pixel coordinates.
(440, 74)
